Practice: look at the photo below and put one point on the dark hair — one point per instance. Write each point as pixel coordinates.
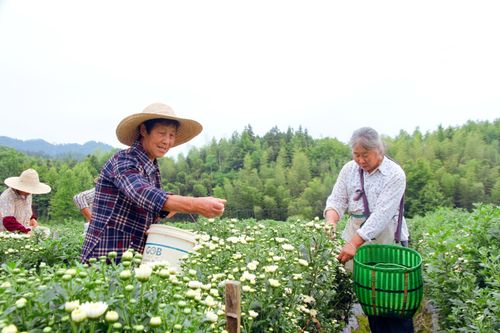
(150, 124)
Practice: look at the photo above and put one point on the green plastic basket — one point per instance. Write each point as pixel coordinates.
(388, 280)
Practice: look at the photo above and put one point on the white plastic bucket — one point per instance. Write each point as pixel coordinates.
(165, 243)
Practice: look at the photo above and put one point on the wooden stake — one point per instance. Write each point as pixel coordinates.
(233, 306)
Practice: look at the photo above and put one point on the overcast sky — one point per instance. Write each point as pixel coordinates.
(71, 70)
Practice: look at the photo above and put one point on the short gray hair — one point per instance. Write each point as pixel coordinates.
(367, 138)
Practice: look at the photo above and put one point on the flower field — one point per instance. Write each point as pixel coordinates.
(290, 282)
(461, 256)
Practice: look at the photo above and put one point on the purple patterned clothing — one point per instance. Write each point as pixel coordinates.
(128, 199)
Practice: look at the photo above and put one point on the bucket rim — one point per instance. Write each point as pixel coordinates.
(367, 247)
(181, 233)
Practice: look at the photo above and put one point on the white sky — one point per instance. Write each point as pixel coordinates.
(71, 70)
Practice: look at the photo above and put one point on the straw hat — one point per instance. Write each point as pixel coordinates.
(128, 129)
(28, 182)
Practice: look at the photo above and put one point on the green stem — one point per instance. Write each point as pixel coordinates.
(141, 296)
(74, 329)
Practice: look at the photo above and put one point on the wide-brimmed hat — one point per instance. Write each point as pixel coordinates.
(28, 182)
(128, 129)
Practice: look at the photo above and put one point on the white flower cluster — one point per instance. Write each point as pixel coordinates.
(91, 310)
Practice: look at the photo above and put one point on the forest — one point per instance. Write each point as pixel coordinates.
(286, 174)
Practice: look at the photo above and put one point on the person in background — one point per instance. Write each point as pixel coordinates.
(84, 201)
(128, 194)
(384, 183)
(16, 209)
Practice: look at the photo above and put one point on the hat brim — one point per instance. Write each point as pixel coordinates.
(127, 130)
(39, 188)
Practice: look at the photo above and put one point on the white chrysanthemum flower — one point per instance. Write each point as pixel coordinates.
(253, 313)
(163, 273)
(303, 262)
(211, 220)
(70, 306)
(155, 321)
(5, 285)
(248, 276)
(10, 329)
(211, 316)
(209, 301)
(127, 256)
(252, 265)
(205, 237)
(78, 315)
(21, 303)
(143, 272)
(237, 256)
(303, 309)
(246, 288)
(111, 316)
(71, 271)
(195, 284)
(308, 299)
(274, 283)
(233, 240)
(270, 269)
(94, 310)
(287, 247)
(125, 274)
(193, 293)
(296, 276)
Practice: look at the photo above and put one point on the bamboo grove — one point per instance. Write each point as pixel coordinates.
(284, 174)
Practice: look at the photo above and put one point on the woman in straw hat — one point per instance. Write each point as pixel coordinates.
(128, 194)
(15, 202)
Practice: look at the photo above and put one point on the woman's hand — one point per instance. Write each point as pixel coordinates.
(347, 252)
(209, 206)
(350, 248)
(206, 206)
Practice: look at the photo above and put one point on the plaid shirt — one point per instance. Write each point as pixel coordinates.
(128, 199)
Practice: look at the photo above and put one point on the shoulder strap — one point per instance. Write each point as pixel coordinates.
(397, 234)
(366, 210)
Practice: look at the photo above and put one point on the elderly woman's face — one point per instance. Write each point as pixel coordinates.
(368, 160)
(22, 193)
(159, 141)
